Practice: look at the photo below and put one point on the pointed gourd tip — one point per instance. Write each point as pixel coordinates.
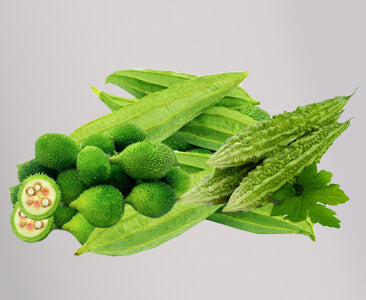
(354, 92)
(80, 251)
(96, 91)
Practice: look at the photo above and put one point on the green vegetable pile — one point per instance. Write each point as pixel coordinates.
(185, 149)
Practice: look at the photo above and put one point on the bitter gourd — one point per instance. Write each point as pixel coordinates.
(284, 166)
(260, 141)
(217, 187)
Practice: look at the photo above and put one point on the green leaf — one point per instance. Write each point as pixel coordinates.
(260, 221)
(316, 192)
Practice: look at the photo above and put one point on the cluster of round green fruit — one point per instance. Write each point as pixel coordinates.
(79, 187)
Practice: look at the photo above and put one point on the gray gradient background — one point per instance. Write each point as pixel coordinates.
(296, 52)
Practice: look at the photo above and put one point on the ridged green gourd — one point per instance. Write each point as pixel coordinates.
(63, 215)
(70, 184)
(163, 113)
(93, 166)
(103, 141)
(179, 180)
(127, 134)
(193, 162)
(141, 82)
(27, 229)
(79, 227)
(264, 139)
(101, 205)
(214, 127)
(256, 188)
(39, 196)
(217, 187)
(152, 199)
(34, 167)
(146, 160)
(56, 151)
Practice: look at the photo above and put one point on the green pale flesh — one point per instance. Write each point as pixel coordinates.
(268, 136)
(141, 82)
(135, 232)
(45, 199)
(259, 221)
(25, 228)
(163, 113)
(282, 167)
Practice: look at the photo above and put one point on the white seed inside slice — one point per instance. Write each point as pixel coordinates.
(30, 191)
(46, 202)
(37, 187)
(38, 224)
(22, 215)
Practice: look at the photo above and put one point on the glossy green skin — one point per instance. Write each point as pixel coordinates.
(120, 180)
(93, 166)
(141, 82)
(102, 141)
(56, 151)
(33, 167)
(146, 160)
(37, 238)
(136, 232)
(63, 215)
(127, 134)
(163, 113)
(101, 205)
(55, 203)
(79, 227)
(152, 199)
(70, 184)
(284, 166)
(268, 136)
(179, 180)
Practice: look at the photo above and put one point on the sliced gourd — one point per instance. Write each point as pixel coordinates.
(39, 196)
(27, 229)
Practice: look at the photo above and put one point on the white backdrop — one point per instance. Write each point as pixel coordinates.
(296, 52)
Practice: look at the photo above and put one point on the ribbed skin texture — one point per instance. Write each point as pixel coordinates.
(140, 82)
(217, 187)
(264, 139)
(163, 113)
(282, 167)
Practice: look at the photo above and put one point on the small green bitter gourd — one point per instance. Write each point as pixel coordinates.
(256, 188)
